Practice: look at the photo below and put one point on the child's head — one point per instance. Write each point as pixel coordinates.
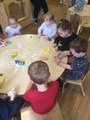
(13, 22)
(39, 72)
(78, 47)
(64, 28)
(49, 18)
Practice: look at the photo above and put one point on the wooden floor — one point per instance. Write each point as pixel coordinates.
(73, 105)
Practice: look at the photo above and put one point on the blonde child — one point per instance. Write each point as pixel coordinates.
(42, 95)
(14, 27)
(48, 27)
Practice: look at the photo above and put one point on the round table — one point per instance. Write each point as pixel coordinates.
(26, 48)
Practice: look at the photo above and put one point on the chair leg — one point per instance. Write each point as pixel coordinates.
(63, 87)
(89, 39)
(78, 30)
(82, 90)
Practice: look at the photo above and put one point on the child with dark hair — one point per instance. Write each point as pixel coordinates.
(65, 37)
(42, 95)
(75, 70)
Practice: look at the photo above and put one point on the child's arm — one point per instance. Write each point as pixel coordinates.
(40, 29)
(64, 65)
(53, 33)
(64, 52)
(29, 85)
(20, 29)
(12, 94)
(6, 34)
(6, 31)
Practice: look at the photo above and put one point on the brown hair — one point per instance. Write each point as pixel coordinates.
(65, 25)
(49, 16)
(79, 45)
(39, 72)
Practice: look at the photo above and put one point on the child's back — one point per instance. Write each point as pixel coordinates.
(42, 102)
(42, 96)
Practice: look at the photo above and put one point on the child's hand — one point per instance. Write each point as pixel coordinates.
(12, 97)
(56, 48)
(54, 45)
(39, 35)
(57, 60)
(12, 94)
(45, 37)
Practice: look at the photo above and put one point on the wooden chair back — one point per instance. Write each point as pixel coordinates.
(28, 114)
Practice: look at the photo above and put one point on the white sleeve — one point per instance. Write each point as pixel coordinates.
(40, 29)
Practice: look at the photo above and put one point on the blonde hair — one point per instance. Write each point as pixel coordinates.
(49, 16)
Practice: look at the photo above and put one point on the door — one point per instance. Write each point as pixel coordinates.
(19, 8)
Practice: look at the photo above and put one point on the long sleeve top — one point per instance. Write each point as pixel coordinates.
(48, 30)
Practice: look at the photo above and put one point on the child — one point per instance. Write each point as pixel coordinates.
(65, 36)
(48, 28)
(9, 106)
(13, 28)
(76, 69)
(42, 95)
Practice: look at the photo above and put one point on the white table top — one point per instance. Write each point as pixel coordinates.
(29, 48)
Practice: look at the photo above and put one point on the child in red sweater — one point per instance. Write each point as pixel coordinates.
(42, 95)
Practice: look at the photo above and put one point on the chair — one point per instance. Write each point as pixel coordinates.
(28, 114)
(84, 22)
(78, 82)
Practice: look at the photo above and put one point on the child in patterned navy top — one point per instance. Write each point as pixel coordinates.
(14, 28)
(76, 69)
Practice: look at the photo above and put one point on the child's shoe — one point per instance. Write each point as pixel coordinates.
(35, 21)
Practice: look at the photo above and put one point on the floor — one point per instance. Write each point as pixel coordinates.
(73, 105)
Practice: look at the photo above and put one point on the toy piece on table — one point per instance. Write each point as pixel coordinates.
(17, 61)
(2, 78)
(47, 50)
(8, 42)
(14, 54)
(20, 54)
(30, 36)
(20, 62)
(1, 74)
